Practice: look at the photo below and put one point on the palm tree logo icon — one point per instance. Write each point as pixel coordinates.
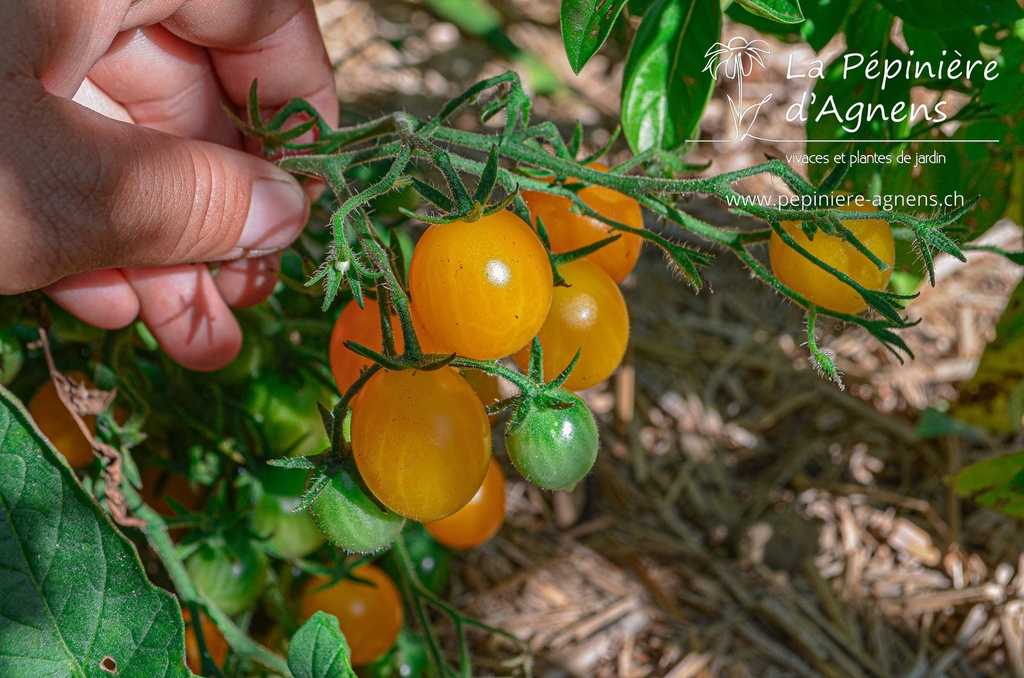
(737, 58)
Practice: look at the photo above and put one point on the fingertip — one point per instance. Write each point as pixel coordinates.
(246, 282)
(187, 316)
(102, 298)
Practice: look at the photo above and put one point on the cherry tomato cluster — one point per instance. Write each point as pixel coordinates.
(481, 290)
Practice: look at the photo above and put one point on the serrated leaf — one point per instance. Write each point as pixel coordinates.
(781, 11)
(319, 650)
(74, 591)
(585, 26)
(665, 86)
(944, 15)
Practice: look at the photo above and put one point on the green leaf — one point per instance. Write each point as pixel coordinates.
(839, 110)
(319, 650)
(75, 594)
(781, 11)
(944, 15)
(822, 20)
(585, 26)
(665, 86)
(995, 483)
(935, 424)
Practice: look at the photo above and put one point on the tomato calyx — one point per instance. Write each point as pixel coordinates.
(462, 206)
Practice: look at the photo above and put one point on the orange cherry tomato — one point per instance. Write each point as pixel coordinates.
(569, 231)
(158, 485)
(477, 521)
(481, 289)
(590, 315)
(370, 615)
(421, 441)
(59, 426)
(818, 285)
(215, 643)
(361, 325)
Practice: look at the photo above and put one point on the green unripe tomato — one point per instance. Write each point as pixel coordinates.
(288, 415)
(431, 560)
(11, 355)
(555, 448)
(232, 577)
(287, 534)
(350, 519)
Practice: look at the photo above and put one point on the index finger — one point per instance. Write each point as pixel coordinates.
(277, 42)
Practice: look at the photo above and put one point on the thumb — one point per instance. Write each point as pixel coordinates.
(85, 192)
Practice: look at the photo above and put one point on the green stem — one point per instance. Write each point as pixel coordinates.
(159, 540)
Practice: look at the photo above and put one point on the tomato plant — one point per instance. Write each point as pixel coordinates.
(421, 441)
(555, 447)
(481, 288)
(589, 316)
(59, 426)
(818, 285)
(11, 355)
(568, 230)
(286, 532)
(287, 414)
(350, 519)
(477, 521)
(231, 575)
(368, 608)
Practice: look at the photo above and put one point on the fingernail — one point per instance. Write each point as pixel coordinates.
(277, 213)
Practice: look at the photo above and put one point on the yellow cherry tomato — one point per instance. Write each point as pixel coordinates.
(818, 285)
(590, 316)
(421, 441)
(481, 289)
(569, 231)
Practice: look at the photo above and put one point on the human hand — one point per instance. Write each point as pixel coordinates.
(114, 219)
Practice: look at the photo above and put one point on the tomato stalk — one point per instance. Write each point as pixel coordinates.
(159, 540)
(419, 597)
(538, 149)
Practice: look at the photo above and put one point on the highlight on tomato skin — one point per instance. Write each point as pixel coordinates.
(569, 231)
(477, 521)
(369, 614)
(589, 316)
(421, 441)
(57, 424)
(481, 289)
(818, 285)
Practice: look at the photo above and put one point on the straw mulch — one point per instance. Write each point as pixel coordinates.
(745, 518)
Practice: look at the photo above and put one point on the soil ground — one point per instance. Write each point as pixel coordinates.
(745, 518)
